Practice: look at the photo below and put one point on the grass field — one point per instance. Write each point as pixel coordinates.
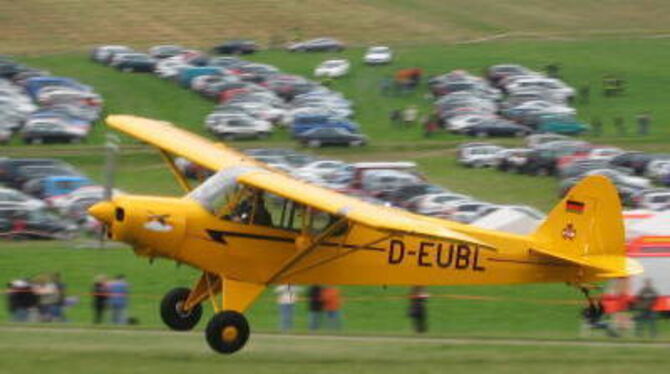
(105, 351)
(534, 311)
(38, 26)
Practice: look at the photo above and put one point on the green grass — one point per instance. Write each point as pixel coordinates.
(75, 351)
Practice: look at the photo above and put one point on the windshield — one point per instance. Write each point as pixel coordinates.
(219, 189)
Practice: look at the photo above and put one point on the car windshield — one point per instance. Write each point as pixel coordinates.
(332, 64)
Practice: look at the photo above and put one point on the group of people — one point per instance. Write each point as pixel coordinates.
(323, 305)
(43, 299)
(640, 313)
(110, 295)
(40, 299)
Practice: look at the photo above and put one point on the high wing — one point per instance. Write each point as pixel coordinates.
(217, 156)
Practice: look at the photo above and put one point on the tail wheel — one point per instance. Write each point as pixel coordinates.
(172, 312)
(227, 332)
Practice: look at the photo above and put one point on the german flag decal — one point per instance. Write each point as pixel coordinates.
(573, 206)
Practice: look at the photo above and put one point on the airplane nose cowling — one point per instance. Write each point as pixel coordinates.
(103, 211)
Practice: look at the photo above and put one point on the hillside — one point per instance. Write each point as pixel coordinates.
(34, 26)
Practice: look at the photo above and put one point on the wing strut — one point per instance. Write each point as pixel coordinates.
(305, 247)
(181, 179)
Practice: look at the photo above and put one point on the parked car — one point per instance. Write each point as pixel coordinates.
(435, 203)
(510, 159)
(653, 199)
(12, 174)
(618, 178)
(320, 168)
(303, 123)
(55, 185)
(38, 224)
(317, 45)
(332, 68)
(637, 161)
(496, 127)
(535, 140)
(561, 124)
(10, 198)
(318, 137)
(479, 156)
(543, 160)
(378, 55)
(496, 73)
(236, 47)
(41, 131)
(134, 62)
(240, 127)
(402, 196)
(165, 51)
(104, 54)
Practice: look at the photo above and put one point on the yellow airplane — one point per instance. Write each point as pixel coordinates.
(248, 227)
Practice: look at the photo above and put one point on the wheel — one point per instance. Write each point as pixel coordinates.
(481, 134)
(355, 143)
(227, 332)
(173, 315)
(314, 144)
(127, 70)
(36, 141)
(263, 135)
(520, 134)
(228, 137)
(75, 140)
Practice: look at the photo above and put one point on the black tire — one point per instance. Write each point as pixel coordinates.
(227, 332)
(171, 312)
(481, 134)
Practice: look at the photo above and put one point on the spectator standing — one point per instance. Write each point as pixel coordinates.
(396, 117)
(620, 126)
(386, 86)
(410, 115)
(118, 299)
(644, 305)
(19, 299)
(643, 123)
(417, 309)
(315, 306)
(597, 126)
(287, 295)
(47, 297)
(332, 303)
(58, 310)
(585, 94)
(100, 295)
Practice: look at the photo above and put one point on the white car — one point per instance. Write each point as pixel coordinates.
(386, 180)
(332, 68)
(10, 198)
(655, 201)
(479, 156)
(657, 168)
(62, 202)
(378, 55)
(459, 123)
(555, 87)
(320, 168)
(170, 67)
(434, 203)
(241, 127)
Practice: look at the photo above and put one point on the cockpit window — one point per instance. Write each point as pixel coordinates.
(223, 197)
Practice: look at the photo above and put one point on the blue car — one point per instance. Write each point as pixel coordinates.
(304, 122)
(35, 84)
(51, 186)
(187, 75)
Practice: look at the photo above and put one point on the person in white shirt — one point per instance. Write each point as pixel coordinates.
(287, 296)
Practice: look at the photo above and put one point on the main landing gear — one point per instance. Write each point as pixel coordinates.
(173, 313)
(228, 330)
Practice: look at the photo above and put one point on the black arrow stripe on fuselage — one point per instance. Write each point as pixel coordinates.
(219, 237)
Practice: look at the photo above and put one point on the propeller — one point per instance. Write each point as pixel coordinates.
(109, 171)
